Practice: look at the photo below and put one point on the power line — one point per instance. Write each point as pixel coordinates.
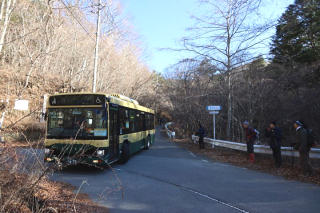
(67, 7)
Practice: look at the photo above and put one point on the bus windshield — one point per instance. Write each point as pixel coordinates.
(77, 123)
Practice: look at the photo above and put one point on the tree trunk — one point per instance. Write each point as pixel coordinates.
(9, 9)
(229, 121)
(228, 55)
(1, 10)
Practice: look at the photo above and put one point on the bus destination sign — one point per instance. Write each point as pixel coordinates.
(72, 100)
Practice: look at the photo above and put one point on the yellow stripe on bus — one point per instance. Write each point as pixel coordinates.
(96, 143)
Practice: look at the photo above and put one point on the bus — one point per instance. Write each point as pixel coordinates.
(96, 129)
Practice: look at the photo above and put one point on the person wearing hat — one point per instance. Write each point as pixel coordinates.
(274, 133)
(302, 146)
(251, 136)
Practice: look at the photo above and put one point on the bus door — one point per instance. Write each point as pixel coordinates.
(144, 126)
(114, 131)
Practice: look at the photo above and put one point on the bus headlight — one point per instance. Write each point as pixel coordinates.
(46, 151)
(100, 152)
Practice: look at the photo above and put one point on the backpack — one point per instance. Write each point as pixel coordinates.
(202, 132)
(311, 138)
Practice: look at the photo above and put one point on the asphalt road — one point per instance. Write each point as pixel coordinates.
(167, 178)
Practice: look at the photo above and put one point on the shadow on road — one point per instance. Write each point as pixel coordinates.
(81, 169)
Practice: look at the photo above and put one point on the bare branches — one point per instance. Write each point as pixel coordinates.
(223, 33)
(224, 36)
(76, 19)
(55, 41)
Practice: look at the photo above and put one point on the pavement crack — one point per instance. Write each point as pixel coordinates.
(188, 189)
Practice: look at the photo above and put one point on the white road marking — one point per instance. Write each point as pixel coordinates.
(193, 155)
(205, 161)
(218, 201)
(224, 165)
(189, 190)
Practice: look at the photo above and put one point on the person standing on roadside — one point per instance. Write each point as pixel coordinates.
(173, 135)
(303, 146)
(275, 135)
(251, 136)
(201, 133)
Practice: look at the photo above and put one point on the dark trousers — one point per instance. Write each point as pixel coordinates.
(250, 148)
(201, 143)
(276, 151)
(304, 162)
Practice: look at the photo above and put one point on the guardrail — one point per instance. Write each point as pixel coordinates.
(286, 151)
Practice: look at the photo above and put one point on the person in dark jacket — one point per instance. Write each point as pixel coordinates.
(201, 133)
(251, 136)
(303, 147)
(275, 135)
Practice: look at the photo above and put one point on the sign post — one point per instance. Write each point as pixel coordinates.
(214, 110)
(214, 126)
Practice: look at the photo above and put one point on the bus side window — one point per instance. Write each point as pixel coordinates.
(148, 121)
(132, 121)
(139, 121)
(124, 121)
(152, 122)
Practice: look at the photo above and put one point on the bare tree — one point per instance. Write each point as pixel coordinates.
(224, 36)
(49, 48)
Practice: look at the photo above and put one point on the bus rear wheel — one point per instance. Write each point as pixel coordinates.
(147, 143)
(125, 154)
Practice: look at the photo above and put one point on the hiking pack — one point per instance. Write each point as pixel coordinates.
(311, 138)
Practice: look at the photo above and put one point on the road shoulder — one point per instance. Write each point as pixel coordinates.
(263, 163)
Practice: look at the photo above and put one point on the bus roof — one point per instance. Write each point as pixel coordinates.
(113, 98)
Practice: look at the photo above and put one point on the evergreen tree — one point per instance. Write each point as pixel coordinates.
(298, 33)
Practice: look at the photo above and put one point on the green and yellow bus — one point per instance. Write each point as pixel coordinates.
(96, 129)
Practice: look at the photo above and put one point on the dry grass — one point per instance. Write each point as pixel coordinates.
(46, 196)
(25, 187)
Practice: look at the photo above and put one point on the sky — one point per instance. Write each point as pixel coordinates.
(162, 23)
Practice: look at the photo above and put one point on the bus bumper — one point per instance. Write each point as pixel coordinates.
(72, 161)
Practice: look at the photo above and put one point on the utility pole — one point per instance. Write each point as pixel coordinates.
(96, 51)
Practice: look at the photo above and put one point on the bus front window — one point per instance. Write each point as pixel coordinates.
(77, 123)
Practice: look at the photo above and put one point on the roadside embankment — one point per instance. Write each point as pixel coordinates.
(25, 186)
